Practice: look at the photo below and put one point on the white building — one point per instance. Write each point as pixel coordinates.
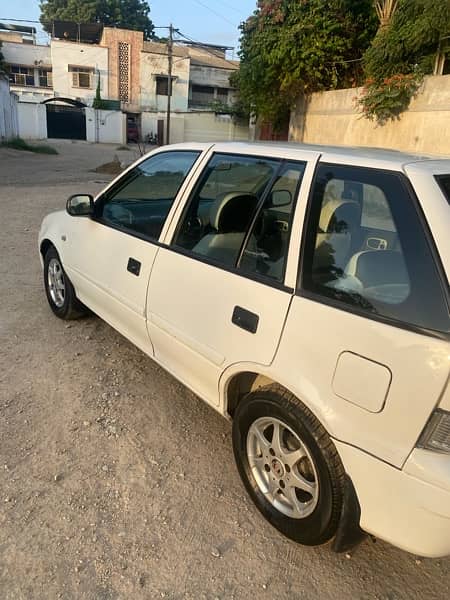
(77, 68)
(30, 70)
(8, 110)
(154, 78)
(133, 77)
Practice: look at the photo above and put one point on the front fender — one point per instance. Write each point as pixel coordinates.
(51, 232)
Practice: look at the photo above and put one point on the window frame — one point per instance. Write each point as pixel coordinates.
(115, 187)
(442, 182)
(321, 298)
(81, 70)
(45, 73)
(257, 277)
(20, 68)
(164, 80)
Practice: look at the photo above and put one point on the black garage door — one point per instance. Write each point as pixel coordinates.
(67, 122)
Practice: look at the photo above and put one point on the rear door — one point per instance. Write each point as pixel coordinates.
(217, 293)
(366, 341)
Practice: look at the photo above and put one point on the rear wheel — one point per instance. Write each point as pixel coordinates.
(59, 289)
(288, 465)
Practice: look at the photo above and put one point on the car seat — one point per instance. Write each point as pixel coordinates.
(378, 275)
(230, 216)
(339, 226)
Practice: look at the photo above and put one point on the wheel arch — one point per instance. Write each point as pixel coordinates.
(247, 378)
(242, 382)
(44, 246)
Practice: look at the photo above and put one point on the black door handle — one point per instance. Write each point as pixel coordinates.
(245, 319)
(134, 266)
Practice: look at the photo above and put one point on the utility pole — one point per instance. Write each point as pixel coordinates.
(169, 80)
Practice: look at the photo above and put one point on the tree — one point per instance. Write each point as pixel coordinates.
(402, 52)
(410, 41)
(98, 102)
(385, 10)
(291, 48)
(127, 14)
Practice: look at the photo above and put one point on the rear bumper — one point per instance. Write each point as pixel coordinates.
(409, 508)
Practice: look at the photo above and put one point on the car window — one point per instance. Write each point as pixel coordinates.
(366, 247)
(266, 247)
(444, 182)
(223, 206)
(141, 200)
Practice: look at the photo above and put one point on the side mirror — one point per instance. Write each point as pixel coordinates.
(80, 205)
(281, 198)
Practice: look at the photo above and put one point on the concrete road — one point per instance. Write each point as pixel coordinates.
(115, 481)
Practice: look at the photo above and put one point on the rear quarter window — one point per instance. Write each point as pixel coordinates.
(444, 183)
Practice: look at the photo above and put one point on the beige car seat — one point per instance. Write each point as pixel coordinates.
(230, 217)
(339, 222)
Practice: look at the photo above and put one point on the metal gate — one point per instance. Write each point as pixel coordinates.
(67, 122)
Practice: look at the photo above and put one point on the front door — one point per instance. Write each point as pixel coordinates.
(109, 257)
(217, 294)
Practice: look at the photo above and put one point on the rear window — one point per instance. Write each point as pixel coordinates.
(444, 182)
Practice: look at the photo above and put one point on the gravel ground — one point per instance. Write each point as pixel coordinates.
(115, 481)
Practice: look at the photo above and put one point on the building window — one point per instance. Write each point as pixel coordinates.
(202, 95)
(82, 77)
(222, 95)
(162, 85)
(21, 75)
(124, 66)
(45, 78)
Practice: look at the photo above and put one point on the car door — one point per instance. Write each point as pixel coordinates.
(109, 257)
(366, 338)
(217, 294)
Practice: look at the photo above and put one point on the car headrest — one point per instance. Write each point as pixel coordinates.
(339, 216)
(232, 212)
(378, 267)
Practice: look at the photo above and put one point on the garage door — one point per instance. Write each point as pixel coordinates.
(67, 122)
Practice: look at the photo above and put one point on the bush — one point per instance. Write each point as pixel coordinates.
(385, 100)
(20, 144)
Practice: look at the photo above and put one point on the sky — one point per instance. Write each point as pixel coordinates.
(212, 21)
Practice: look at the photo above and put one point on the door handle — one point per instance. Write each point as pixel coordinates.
(245, 319)
(134, 266)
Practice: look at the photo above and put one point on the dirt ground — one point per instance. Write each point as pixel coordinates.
(115, 481)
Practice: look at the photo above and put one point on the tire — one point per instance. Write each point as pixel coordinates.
(59, 289)
(297, 483)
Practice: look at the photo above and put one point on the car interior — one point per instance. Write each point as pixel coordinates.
(357, 247)
(217, 227)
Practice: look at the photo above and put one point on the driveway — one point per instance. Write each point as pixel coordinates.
(115, 480)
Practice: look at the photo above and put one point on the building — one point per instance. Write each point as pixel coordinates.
(131, 74)
(8, 110)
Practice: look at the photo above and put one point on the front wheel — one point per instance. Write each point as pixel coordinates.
(288, 465)
(59, 289)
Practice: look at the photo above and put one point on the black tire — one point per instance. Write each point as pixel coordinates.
(274, 402)
(67, 306)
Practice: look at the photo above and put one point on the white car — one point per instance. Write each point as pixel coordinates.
(301, 291)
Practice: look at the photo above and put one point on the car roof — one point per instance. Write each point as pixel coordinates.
(350, 155)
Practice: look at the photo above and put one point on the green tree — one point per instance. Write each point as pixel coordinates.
(402, 52)
(409, 42)
(127, 14)
(292, 47)
(98, 102)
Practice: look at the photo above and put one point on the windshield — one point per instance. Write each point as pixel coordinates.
(444, 182)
